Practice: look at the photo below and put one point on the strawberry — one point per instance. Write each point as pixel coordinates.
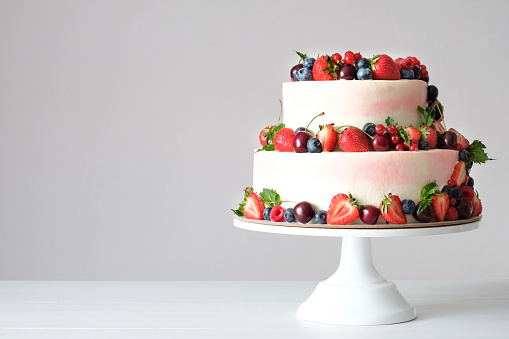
(277, 214)
(429, 134)
(353, 140)
(413, 133)
(477, 206)
(391, 209)
(264, 134)
(452, 214)
(440, 203)
(343, 209)
(253, 209)
(437, 125)
(384, 68)
(459, 175)
(325, 68)
(463, 143)
(328, 137)
(283, 140)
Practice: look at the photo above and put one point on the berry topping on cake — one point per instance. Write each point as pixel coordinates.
(452, 214)
(308, 63)
(440, 203)
(459, 174)
(303, 212)
(328, 137)
(369, 128)
(462, 142)
(336, 57)
(408, 206)
(477, 210)
(289, 216)
(380, 143)
(424, 145)
(413, 134)
(314, 145)
(364, 74)
(391, 209)
(369, 214)
(325, 69)
(265, 134)
(352, 139)
(347, 72)
(465, 208)
(304, 74)
(447, 140)
(432, 93)
(349, 58)
(266, 213)
(283, 140)
(363, 63)
(426, 215)
(321, 217)
(429, 134)
(384, 68)
(254, 207)
(407, 74)
(277, 214)
(343, 209)
(300, 142)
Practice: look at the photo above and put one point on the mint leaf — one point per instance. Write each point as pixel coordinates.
(270, 197)
(390, 121)
(301, 55)
(477, 153)
(428, 191)
(404, 135)
(428, 118)
(266, 148)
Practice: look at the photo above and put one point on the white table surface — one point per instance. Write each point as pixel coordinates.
(54, 309)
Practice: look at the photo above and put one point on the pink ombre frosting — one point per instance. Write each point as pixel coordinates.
(353, 102)
(368, 176)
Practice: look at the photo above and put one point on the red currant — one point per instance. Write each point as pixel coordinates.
(336, 57)
(392, 130)
(414, 142)
(452, 202)
(414, 148)
(380, 129)
(451, 183)
(357, 56)
(349, 57)
(400, 147)
(395, 139)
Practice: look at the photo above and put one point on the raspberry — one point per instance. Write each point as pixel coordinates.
(277, 214)
(467, 192)
(415, 60)
(357, 56)
(452, 214)
(452, 201)
(349, 57)
(336, 57)
(407, 63)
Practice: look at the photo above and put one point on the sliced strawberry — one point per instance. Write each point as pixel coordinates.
(353, 140)
(283, 140)
(413, 133)
(328, 137)
(429, 134)
(437, 125)
(264, 134)
(325, 68)
(440, 203)
(391, 210)
(463, 143)
(343, 209)
(477, 206)
(253, 209)
(384, 68)
(459, 174)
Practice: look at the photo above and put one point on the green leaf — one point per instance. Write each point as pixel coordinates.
(428, 191)
(477, 153)
(266, 148)
(239, 212)
(404, 135)
(390, 121)
(271, 132)
(301, 55)
(270, 197)
(428, 118)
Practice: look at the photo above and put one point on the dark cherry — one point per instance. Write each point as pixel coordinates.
(303, 212)
(300, 142)
(432, 93)
(268, 142)
(369, 214)
(425, 216)
(380, 143)
(294, 70)
(465, 208)
(347, 72)
(417, 71)
(447, 140)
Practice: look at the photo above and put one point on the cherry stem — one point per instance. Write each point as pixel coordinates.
(441, 115)
(273, 202)
(369, 136)
(315, 118)
(280, 111)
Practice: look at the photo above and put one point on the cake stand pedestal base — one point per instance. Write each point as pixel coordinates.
(356, 294)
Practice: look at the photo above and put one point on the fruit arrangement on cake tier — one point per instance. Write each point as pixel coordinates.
(376, 149)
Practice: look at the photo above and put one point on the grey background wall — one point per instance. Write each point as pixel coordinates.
(127, 130)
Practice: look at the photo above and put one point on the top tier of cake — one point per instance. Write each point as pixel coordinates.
(353, 102)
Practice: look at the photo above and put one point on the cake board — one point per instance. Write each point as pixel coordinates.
(356, 294)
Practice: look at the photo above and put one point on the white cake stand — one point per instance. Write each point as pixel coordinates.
(357, 294)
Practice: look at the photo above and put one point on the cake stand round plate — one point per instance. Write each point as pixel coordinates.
(356, 294)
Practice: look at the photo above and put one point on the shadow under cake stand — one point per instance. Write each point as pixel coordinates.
(357, 294)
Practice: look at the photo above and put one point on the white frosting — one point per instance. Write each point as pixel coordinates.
(353, 102)
(368, 176)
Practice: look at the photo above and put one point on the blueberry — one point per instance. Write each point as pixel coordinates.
(308, 63)
(364, 74)
(304, 74)
(448, 190)
(432, 93)
(407, 73)
(321, 217)
(424, 144)
(455, 192)
(470, 182)
(469, 164)
(289, 216)
(363, 63)
(314, 145)
(408, 206)
(266, 213)
(369, 128)
(464, 156)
